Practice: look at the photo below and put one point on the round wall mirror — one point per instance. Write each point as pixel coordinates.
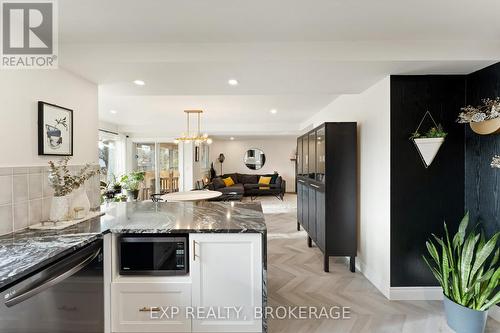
(254, 159)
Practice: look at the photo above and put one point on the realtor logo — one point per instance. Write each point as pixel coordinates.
(29, 38)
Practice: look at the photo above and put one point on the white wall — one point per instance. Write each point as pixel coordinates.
(20, 90)
(371, 109)
(278, 152)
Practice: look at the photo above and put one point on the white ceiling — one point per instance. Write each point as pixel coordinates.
(295, 56)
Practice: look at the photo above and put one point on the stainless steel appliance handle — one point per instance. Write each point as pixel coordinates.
(32, 291)
(315, 186)
(301, 181)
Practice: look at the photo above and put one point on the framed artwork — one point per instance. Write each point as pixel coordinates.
(196, 153)
(55, 130)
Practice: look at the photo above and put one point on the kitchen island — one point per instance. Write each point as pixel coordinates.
(227, 240)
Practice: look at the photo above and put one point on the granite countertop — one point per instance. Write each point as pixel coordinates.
(26, 251)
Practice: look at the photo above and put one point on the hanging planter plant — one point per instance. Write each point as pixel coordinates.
(428, 143)
(483, 119)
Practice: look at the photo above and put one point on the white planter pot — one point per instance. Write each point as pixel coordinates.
(80, 200)
(59, 208)
(428, 148)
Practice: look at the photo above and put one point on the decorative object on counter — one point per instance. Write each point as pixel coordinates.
(221, 160)
(51, 225)
(59, 208)
(467, 268)
(254, 159)
(131, 183)
(55, 130)
(63, 183)
(120, 198)
(79, 213)
(80, 200)
(428, 143)
(483, 119)
(495, 163)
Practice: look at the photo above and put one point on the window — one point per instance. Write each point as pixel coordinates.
(111, 156)
(160, 163)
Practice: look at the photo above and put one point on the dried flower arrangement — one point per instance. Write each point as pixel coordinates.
(495, 163)
(489, 110)
(63, 182)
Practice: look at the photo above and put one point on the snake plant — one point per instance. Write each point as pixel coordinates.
(467, 267)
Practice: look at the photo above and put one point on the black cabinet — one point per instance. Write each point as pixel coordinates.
(311, 228)
(320, 218)
(327, 189)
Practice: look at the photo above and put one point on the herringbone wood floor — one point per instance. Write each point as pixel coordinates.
(296, 278)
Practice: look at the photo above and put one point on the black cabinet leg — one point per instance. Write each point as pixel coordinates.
(298, 226)
(309, 241)
(326, 263)
(352, 264)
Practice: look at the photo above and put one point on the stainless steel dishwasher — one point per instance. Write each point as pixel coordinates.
(65, 297)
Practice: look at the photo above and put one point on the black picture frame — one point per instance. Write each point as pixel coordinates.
(196, 153)
(51, 136)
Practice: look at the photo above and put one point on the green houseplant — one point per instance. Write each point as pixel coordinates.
(428, 143)
(467, 268)
(131, 183)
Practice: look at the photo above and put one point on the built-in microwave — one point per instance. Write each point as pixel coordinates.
(153, 254)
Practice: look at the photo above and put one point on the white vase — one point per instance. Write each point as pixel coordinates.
(80, 200)
(59, 208)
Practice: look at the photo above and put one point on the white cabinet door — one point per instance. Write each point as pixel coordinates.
(147, 307)
(226, 272)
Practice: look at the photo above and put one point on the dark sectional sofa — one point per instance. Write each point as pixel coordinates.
(248, 185)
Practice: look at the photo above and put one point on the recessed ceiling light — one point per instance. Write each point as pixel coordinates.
(273, 111)
(139, 82)
(231, 138)
(232, 82)
(113, 111)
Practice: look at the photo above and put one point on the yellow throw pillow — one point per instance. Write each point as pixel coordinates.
(228, 181)
(265, 180)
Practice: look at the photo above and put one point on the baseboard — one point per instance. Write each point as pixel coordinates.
(415, 293)
(429, 294)
(494, 312)
(375, 279)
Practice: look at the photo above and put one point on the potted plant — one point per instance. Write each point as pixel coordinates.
(483, 119)
(131, 183)
(64, 183)
(428, 143)
(115, 185)
(467, 268)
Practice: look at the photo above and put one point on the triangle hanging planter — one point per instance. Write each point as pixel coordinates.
(428, 148)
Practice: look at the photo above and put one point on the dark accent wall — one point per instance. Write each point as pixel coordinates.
(421, 199)
(482, 183)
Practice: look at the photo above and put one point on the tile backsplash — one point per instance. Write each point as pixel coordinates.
(25, 196)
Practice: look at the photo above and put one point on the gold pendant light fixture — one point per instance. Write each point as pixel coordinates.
(195, 137)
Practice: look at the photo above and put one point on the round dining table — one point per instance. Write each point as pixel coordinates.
(196, 195)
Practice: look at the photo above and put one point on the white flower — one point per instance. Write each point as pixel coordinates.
(495, 163)
(478, 117)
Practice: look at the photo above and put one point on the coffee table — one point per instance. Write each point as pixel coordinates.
(230, 196)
